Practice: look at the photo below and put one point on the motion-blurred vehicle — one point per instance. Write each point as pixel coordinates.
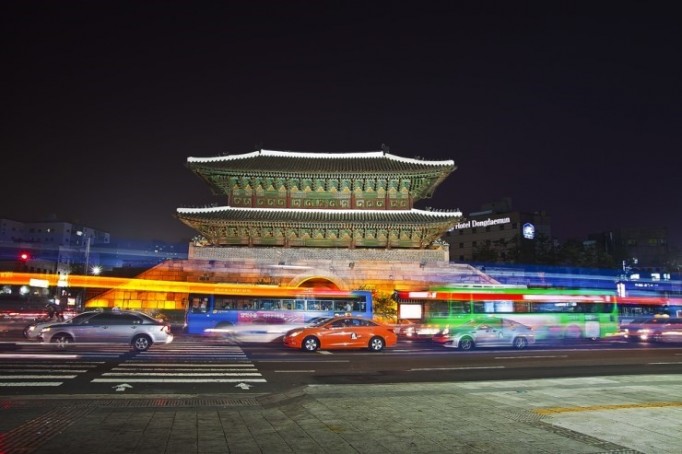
(33, 330)
(136, 329)
(490, 332)
(259, 332)
(342, 333)
(653, 329)
(408, 329)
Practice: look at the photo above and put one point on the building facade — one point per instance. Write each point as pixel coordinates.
(335, 220)
(294, 199)
(494, 232)
(50, 246)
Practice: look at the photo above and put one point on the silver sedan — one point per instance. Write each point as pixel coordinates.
(136, 329)
(490, 332)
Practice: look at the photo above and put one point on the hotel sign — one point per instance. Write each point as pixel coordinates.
(485, 223)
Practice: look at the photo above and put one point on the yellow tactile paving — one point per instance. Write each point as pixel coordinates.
(557, 410)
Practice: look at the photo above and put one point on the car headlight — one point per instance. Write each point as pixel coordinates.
(294, 333)
(32, 327)
(45, 330)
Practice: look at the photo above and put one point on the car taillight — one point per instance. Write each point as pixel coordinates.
(166, 329)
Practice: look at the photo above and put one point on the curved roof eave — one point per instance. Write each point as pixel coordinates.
(226, 209)
(309, 155)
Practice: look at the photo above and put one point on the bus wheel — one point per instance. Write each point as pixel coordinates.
(520, 343)
(376, 344)
(466, 343)
(310, 344)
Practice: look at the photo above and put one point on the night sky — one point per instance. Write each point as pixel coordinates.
(574, 108)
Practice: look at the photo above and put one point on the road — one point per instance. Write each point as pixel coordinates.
(204, 365)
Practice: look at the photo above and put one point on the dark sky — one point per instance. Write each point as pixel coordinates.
(574, 108)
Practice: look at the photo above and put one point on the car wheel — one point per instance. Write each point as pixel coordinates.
(376, 344)
(310, 344)
(466, 343)
(141, 343)
(61, 340)
(520, 343)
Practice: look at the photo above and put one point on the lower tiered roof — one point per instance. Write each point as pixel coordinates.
(322, 228)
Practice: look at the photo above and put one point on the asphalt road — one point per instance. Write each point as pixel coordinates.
(204, 365)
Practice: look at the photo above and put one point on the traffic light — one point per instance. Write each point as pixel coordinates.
(24, 256)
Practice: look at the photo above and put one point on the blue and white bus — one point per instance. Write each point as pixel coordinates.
(271, 305)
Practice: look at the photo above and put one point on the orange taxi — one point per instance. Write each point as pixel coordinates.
(342, 333)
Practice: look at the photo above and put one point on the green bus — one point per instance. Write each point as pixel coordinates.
(553, 314)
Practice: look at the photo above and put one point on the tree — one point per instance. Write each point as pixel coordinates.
(383, 305)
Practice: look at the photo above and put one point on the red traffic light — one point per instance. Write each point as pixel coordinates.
(24, 256)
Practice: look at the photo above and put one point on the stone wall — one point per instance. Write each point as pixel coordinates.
(347, 269)
(279, 254)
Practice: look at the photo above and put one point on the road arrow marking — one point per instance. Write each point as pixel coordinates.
(242, 386)
(122, 387)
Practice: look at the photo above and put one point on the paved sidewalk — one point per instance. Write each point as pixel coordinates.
(624, 414)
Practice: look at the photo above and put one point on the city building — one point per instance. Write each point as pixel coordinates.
(49, 246)
(496, 232)
(644, 249)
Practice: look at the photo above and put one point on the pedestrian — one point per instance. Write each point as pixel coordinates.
(50, 308)
(59, 312)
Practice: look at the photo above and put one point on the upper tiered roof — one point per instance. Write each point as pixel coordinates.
(297, 162)
(294, 164)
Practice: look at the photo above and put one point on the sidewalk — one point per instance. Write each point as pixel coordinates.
(624, 414)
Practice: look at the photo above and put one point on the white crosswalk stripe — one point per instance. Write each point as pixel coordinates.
(43, 373)
(183, 361)
(186, 362)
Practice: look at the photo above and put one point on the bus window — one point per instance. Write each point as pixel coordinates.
(460, 307)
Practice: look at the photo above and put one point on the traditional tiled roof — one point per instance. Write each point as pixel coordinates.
(294, 162)
(230, 215)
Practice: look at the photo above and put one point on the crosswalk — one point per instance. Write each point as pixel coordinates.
(185, 361)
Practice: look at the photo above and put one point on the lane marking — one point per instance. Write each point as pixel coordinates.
(19, 383)
(455, 368)
(531, 357)
(317, 361)
(311, 371)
